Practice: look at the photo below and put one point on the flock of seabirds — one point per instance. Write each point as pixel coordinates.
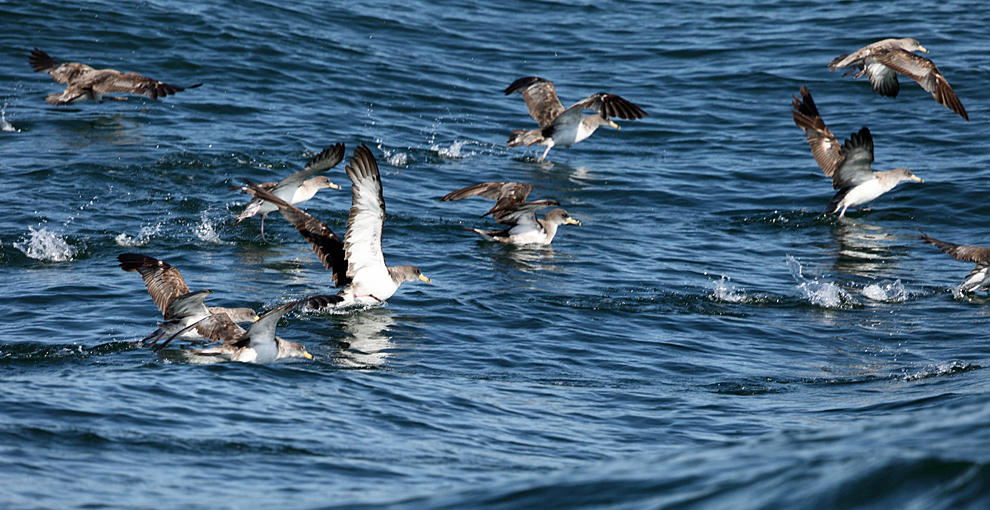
(357, 263)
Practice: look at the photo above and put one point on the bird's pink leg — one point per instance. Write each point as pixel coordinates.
(544, 156)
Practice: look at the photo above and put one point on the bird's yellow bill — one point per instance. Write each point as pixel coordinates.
(423, 278)
(915, 178)
(307, 355)
(334, 186)
(922, 49)
(613, 124)
(572, 221)
(256, 319)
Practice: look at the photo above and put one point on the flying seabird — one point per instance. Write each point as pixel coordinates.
(296, 188)
(180, 307)
(357, 263)
(256, 345)
(565, 127)
(980, 275)
(849, 164)
(82, 82)
(882, 60)
(511, 208)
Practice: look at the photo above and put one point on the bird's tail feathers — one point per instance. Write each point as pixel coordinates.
(525, 137)
(833, 205)
(832, 65)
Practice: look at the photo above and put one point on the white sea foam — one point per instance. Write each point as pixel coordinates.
(819, 292)
(886, 291)
(938, 369)
(141, 239)
(45, 245)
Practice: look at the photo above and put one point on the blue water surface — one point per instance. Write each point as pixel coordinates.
(706, 339)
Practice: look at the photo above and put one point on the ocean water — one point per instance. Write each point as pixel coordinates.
(706, 339)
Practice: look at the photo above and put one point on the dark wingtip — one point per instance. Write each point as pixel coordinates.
(835, 61)
(806, 105)
(41, 61)
(861, 138)
(361, 163)
(522, 83)
(133, 261)
(333, 153)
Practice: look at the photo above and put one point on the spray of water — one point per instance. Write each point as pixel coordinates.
(45, 245)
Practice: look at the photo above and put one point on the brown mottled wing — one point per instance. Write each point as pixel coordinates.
(508, 214)
(611, 105)
(857, 57)
(61, 72)
(491, 191)
(509, 197)
(854, 59)
(923, 71)
(506, 195)
(963, 252)
(164, 282)
(540, 96)
(326, 245)
(824, 147)
(524, 214)
(108, 81)
(219, 327)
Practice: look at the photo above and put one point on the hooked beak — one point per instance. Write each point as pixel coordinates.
(256, 319)
(333, 186)
(613, 124)
(572, 221)
(307, 355)
(915, 178)
(423, 278)
(922, 49)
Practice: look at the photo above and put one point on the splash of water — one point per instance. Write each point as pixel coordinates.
(142, 238)
(957, 292)
(45, 245)
(397, 158)
(394, 158)
(205, 230)
(4, 125)
(454, 151)
(886, 291)
(819, 293)
(722, 290)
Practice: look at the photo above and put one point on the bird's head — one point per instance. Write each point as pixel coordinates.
(321, 182)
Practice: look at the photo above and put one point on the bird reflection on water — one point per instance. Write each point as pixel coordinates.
(864, 249)
(527, 259)
(367, 343)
